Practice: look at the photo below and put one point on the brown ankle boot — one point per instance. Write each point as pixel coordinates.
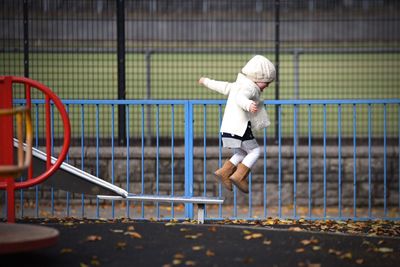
(224, 173)
(239, 178)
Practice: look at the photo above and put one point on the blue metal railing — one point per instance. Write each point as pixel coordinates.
(292, 114)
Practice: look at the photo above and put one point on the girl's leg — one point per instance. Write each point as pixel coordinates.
(251, 157)
(238, 157)
(239, 177)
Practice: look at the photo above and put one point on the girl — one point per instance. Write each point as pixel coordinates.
(244, 112)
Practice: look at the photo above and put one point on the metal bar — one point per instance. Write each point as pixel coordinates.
(161, 198)
(213, 50)
(309, 162)
(142, 159)
(112, 156)
(204, 150)
(384, 162)
(279, 162)
(294, 160)
(324, 145)
(340, 160)
(369, 163)
(120, 23)
(265, 174)
(68, 193)
(148, 96)
(26, 37)
(172, 156)
(277, 60)
(217, 102)
(52, 152)
(82, 155)
(188, 157)
(97, 156)
(354, 161)
(220, 159)
(127, 159)
(158, 157)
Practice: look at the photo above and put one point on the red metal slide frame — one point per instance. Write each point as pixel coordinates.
(6, 136)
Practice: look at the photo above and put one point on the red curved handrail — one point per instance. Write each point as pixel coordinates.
(67, 133)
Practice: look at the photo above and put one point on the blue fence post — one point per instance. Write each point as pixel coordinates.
(188, 157)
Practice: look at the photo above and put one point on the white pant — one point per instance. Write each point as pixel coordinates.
(248, 157)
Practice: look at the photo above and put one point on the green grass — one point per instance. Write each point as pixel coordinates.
(175, 75)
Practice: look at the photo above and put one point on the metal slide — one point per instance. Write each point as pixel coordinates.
(72, 179)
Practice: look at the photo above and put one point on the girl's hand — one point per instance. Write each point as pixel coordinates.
(253, 107)
(201, 80)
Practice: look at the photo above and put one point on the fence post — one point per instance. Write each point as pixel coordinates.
(26, 38)
(277, 52)
(188, 157)
(121, 71)
(148, 95)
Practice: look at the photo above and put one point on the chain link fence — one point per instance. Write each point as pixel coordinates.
(157, 49)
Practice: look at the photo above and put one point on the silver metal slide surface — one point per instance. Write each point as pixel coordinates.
(72, 179)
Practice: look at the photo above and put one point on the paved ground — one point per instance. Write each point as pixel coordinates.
(131, 243)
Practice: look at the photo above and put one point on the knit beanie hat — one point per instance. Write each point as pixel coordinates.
(259, 69)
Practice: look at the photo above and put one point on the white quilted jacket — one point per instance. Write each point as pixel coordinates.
(240, 93)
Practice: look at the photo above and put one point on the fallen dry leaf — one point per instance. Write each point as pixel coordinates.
(176, 261)
(190, 263)
(210, 253)
(133, 234)
(347, 256)
(256, 235)
(295, 229)
(121, 245)
(116, 230)
(359, 261)
(197, 248)
(179, 256)
(93, 238)
(66, 250)
(300, 250)
(212, 229)
(385, 250)
(267, 242)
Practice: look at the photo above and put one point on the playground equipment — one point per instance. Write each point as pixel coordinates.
(24, 237)
(8, 170)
